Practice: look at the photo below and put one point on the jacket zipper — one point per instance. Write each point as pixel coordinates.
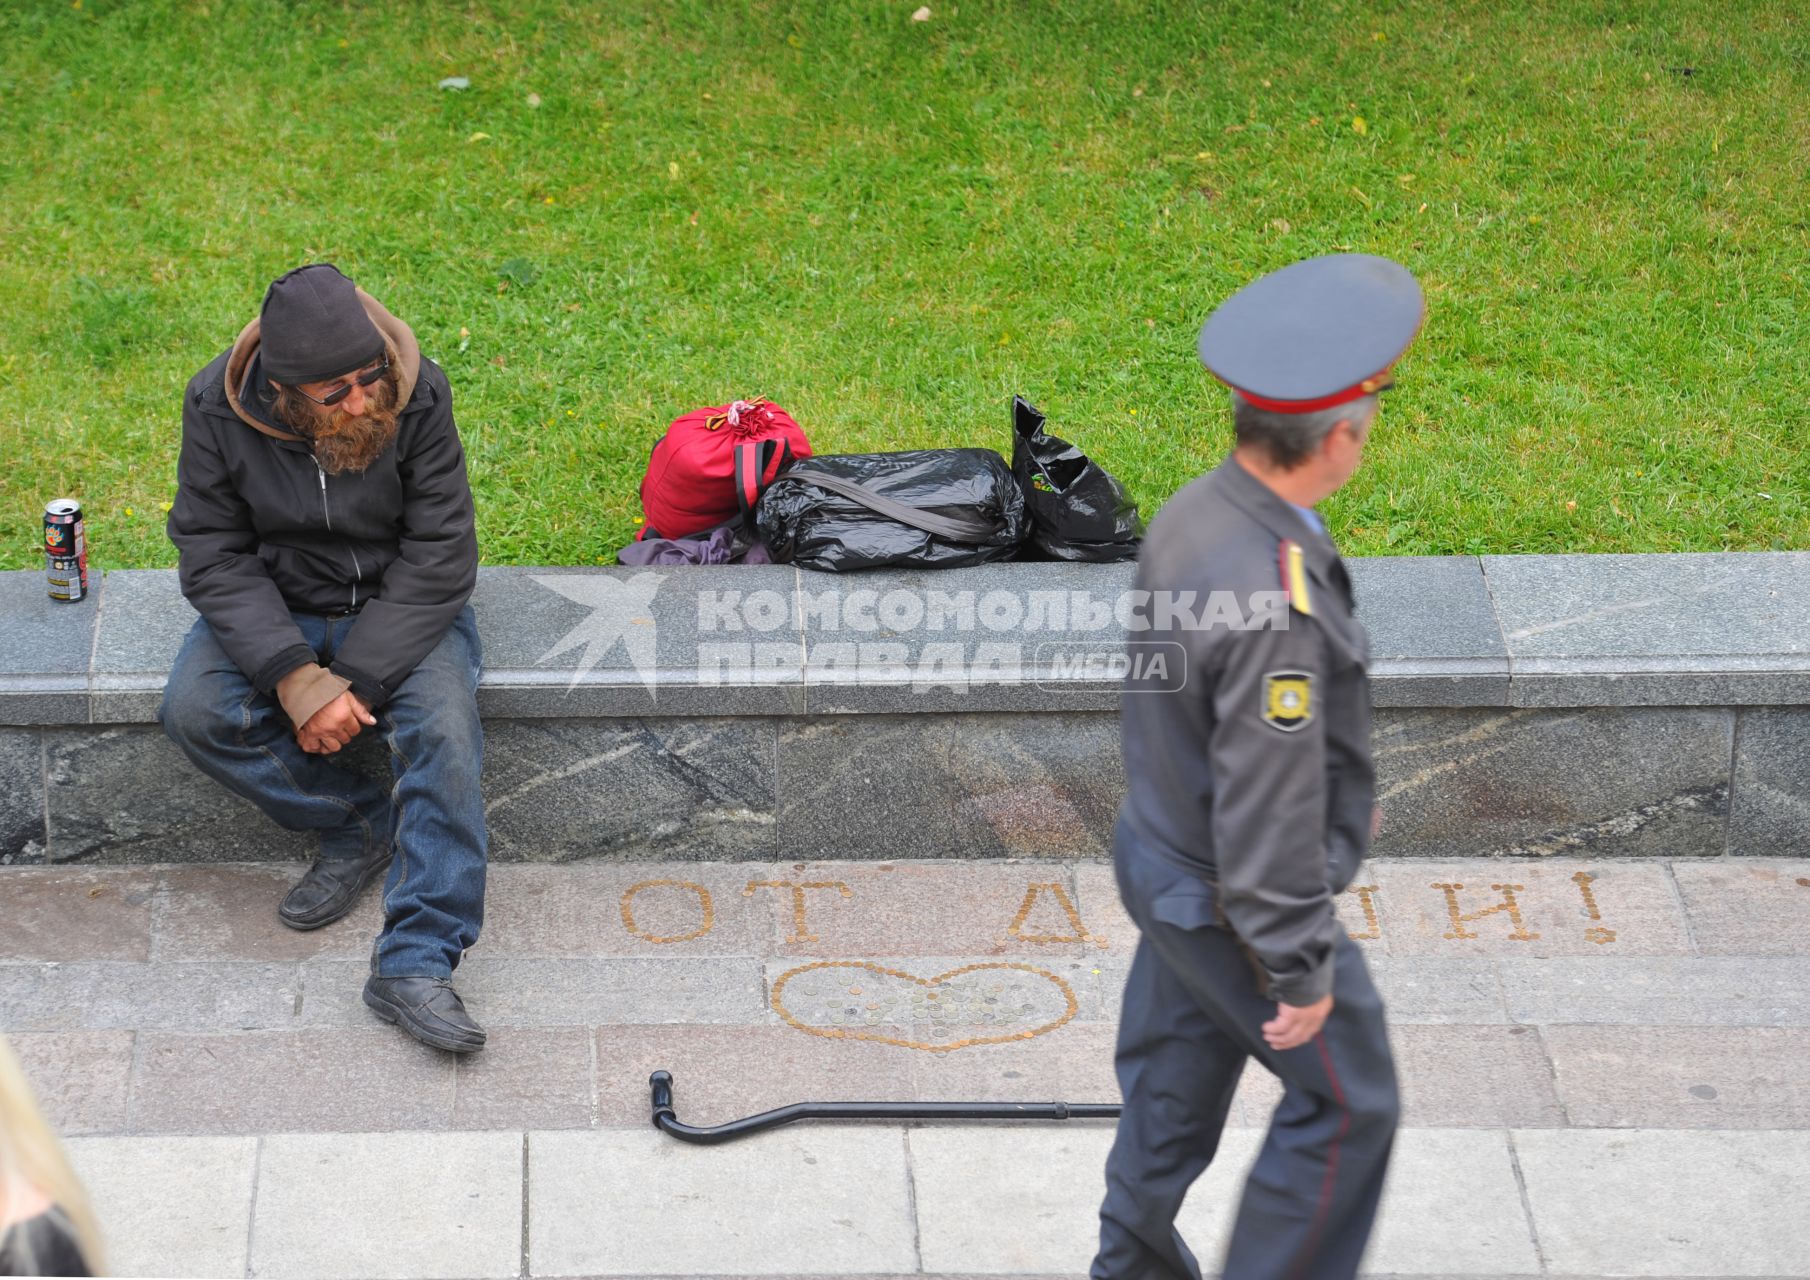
(357, 572)
(324, 512)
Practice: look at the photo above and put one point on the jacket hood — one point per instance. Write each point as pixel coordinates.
(398, 341)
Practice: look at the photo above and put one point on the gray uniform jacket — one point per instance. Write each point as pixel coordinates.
(1255, 773)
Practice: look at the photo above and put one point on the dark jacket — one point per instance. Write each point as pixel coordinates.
(42, 1246)
(262, 530)
(1225, 775)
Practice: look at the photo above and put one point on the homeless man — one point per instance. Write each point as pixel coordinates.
(325, 532)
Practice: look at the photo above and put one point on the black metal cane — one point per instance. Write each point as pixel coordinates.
(665, 1118)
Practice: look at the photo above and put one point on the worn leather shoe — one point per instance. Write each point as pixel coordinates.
(428, 1009)
(329, 888)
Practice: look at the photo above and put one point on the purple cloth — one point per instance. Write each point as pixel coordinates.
(721, 547)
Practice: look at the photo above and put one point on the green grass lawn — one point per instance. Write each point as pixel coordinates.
(889, 227)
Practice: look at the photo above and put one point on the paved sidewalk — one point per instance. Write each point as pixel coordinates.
(1603, 1070)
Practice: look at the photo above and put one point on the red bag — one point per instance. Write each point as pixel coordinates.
(713, 464)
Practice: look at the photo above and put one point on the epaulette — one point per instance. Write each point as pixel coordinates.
(1294, 577)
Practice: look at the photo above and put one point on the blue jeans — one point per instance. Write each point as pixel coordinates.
(433, 900)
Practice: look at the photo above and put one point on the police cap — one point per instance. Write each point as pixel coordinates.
(1315, 334)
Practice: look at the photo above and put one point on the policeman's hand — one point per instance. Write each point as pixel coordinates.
(1295, 1025)
(335, 724)
(1376, 820)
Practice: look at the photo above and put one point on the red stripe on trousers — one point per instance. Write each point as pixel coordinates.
(1332, 1160)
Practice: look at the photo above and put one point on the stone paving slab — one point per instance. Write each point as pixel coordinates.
(1073, 1065)
(527, 1077)
(80, 1078)
(900, 909)
(1486, 1077)
(183, 997)
(170, 1206)
(1027, 1198)
(276, 1081)
(725, 1073)
(1706, 991)
(572, 992)
(1415, 989)
(229, 912)
(1527, 909)
(1097, 899)
(1452, 1204)
(226, 912)
(539, 993)
(676, 909)
(1401, 907)
(804, 1200)
(884, 1200)
(1467, 1076)
(1438, 989)
(392, 1206)
(1683, 1077)
(1018, 1198)
(241, 1026)
(1747, 908)
(940, 1003)
(77, 913)
(1668, 1202)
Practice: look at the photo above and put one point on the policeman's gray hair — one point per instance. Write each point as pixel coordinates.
(1291, 438)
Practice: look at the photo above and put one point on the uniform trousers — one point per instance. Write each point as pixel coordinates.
(1192, 1016)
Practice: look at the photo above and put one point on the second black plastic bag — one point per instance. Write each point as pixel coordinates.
(1078, 510)
(930, 508)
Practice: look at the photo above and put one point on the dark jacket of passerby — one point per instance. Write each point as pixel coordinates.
(1268, 801)
(263, 530)
(44, 1245)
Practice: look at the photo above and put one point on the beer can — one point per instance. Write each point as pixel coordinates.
(68, 579)
(66, 544)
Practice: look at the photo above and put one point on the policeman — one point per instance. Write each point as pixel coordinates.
(1251, 802)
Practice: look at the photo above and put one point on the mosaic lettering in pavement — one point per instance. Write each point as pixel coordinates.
(997, 1001)
(989, 1003)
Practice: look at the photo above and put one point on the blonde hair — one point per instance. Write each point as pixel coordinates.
(31, 1157)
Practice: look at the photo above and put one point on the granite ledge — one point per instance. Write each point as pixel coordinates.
(1459, 631)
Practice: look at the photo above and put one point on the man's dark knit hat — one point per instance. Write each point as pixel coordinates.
(313, 327)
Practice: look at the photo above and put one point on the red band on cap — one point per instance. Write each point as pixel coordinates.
(1346, 396)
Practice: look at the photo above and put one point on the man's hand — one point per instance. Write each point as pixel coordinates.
(335, 724)
(1376, 820)
(1295, 1025)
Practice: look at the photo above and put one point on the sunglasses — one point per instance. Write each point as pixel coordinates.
(363, 378)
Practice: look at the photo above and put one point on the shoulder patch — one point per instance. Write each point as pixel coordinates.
(1288, 700)
(1294, 577)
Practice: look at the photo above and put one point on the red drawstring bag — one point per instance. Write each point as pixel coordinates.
(713, 464)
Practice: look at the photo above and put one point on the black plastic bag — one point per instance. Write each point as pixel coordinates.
(1078, 511)
(930, 509)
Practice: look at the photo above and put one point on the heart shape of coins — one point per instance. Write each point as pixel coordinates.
(994, 1003)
